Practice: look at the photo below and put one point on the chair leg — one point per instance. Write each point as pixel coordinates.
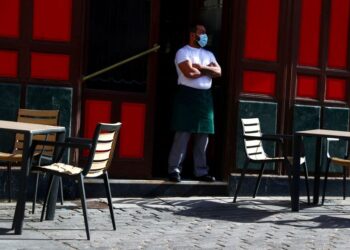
(344, 183)
(241, 179)
(109, 198)
(325, 180)
(83, 204)
(35, 192)
(306, 174)
(289, 167)
(61, 190)
(47, 197)
(9, 178)
(259, 179)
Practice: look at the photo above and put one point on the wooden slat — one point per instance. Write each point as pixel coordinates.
(19, 145)
(253, 133)
(251, 128)
(104, 146)
(19, 137)
(46, 121)
(249, 121)
(102, 157)
(44, 137)
(252, 143)
(257, 150)
(37, 113)
(106, 137)
(340, 161)
(46, 117)
(99, 156)
(99, 165)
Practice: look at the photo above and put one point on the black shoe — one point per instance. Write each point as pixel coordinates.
(206, 178)
(174, 177)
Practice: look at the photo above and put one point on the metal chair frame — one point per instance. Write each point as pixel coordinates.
(254, 152)
(343, 162)
(46, 117)
(101, 151)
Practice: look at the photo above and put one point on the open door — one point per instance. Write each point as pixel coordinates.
(116, 30)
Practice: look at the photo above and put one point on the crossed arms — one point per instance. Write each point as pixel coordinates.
(193, 70)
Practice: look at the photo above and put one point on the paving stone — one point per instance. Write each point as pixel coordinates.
(184, 223)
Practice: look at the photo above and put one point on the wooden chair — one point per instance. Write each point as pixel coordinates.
(101, 151)
(255, 152)
(47, 117)
(343, 162)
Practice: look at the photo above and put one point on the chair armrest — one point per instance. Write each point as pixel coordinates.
(78, 140)
(285, 136)
(66, 144)
(277, 138)
(62, 147)
(330, 139)
(45, 160)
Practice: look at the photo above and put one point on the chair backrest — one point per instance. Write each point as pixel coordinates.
(46, 117)
(103, 145)
(253, 148)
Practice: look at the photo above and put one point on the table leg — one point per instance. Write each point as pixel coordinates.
(296, 173)
(51, 205)
(317, 170)
(22, 194)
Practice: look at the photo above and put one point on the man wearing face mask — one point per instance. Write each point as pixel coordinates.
(193, 112)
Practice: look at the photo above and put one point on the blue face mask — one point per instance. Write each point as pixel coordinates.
(203, 40)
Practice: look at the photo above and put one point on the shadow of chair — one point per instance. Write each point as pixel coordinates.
(255, 153)
(343, 162)
(101, 151)
(42, 155)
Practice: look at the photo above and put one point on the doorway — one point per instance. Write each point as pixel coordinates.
(175, 18)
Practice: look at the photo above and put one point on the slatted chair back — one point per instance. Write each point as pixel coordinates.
(101, 155)
(253, 148)
(46, 117)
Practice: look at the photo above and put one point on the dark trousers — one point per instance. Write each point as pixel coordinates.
(179, 149)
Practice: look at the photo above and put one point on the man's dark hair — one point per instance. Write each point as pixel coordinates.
(193, 27)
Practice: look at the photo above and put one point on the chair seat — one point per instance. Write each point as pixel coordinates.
(253, 140)
(340, 161)
(261, 157)
(101, 150)
(12, 157)
(61, 168)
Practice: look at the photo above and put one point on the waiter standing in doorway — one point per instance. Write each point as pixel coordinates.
(193, 112)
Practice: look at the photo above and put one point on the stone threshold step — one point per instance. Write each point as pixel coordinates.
(155, 188)
(273, 185)
(156, 182)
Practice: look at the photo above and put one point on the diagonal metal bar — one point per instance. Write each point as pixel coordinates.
(154, 49)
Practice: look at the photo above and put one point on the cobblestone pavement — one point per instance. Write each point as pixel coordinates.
(185, 223)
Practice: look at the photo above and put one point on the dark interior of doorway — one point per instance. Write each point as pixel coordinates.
(175, 18)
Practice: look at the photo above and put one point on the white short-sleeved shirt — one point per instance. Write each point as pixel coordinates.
(198, 56)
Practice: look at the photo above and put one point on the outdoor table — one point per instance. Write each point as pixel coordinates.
(319, 134)
(29, 130)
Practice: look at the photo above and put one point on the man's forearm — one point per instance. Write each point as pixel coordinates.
(213, 71)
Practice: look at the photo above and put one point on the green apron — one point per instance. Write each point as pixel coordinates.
(193, 110)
